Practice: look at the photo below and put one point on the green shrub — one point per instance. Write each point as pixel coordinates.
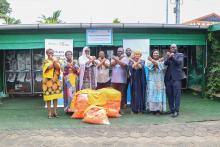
(213, 74)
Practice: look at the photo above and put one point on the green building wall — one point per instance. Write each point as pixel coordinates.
(34, 39)
(31, 39)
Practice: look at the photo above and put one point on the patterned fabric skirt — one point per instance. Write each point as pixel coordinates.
(69, 92)
(52, 88)
(156, 96)
(89, 78)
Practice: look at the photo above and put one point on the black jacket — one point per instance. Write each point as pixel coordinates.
(174, 67)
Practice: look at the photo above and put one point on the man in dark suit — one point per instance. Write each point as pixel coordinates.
(173, 77)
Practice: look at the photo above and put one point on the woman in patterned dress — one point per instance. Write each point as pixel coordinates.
(156, 93)
(70, 78)
(52, 89)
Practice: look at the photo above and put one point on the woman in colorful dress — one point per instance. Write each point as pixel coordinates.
(70, 76)
(87, 65)
(138, 83)
(52, 89)
(156, 93)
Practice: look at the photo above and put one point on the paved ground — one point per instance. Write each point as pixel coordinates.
(24, 123)
(199, 134)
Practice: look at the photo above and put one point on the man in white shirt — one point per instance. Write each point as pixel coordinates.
(119, 74)
(103, 64)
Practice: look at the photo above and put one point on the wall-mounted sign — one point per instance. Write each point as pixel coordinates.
(99, 37)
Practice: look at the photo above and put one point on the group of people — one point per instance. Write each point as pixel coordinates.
(151, 82)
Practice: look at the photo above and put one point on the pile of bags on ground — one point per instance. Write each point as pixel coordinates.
(95, 106)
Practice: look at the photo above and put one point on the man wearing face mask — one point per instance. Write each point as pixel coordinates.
(173, 77)
(119, 74)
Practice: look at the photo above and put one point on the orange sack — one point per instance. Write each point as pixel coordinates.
(113, 101)
(113, 108)
(80, 105)
(96, 115)
(108, 98)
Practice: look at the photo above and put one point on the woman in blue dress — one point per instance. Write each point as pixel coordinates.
(138, 83)
(156, 93)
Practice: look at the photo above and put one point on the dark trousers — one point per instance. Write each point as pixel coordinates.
(103, 85)
(173, 91)
(120, 87)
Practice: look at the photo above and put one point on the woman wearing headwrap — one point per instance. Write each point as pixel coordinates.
(52, 89)
(70, 76)
(156, 94)
(138, 83)
(87, 65)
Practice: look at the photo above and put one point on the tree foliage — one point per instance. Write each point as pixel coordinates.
(116, 20)
(4, 8)
(5, 11)
(54, 19)
(213, 75)
(11, 20)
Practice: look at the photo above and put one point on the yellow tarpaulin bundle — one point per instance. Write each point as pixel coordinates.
(95, 97)
(113, 101)
(111, 94)
(99, 97)
(108, 98)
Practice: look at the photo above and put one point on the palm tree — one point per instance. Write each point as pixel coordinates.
(51, 20)
(11, 20)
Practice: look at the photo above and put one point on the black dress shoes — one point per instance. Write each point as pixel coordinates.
(175, 114)
(168, 112)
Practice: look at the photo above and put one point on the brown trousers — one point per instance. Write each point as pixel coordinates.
(120, 87)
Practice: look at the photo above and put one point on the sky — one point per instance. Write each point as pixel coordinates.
(104, 11)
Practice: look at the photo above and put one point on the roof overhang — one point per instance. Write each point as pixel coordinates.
(214, 28)
(99, 25)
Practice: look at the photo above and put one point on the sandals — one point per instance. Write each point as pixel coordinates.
(49, 116)
(56, 115)
(53, 115)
